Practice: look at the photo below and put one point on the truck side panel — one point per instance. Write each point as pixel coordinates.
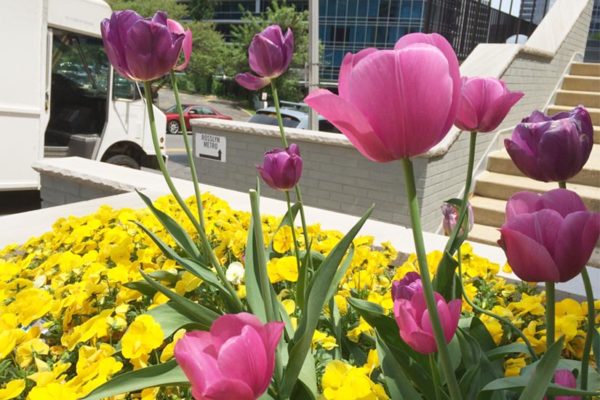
(22, 86)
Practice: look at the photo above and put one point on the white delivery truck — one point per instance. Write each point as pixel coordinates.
(59, 95)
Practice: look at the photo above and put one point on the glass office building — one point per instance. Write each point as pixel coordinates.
(592, 51)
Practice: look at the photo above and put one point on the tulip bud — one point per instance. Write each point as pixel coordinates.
(269, 55)
(235, 360)
(282, 168)
(450, 212)
(552, 149)
(484, 103)
(415, 324)
(548, 237)
(564, 377)
(140, 49)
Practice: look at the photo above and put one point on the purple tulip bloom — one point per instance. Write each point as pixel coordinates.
(140, 49)
(484, 103)
(450, 213)
(282, 168)
(269, 55)
(395, 104)
(548, 237)
(407, 286)
(414, 323)
(552, 148)
(235, 360)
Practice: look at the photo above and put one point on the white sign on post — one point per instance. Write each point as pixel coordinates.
(211, 147)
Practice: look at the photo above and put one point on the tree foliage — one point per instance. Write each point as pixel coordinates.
(286, 16)
(147, 8)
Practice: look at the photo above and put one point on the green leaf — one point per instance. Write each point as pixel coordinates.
(543, 373)
(596, 348)
(165, 374)
(179, 234)
(411, 362)
(308, 378)
(141, 286)
(500, 352)
(316, 298)
(285, 221)
(196, 312)
(398, 385)
(170, 319)
(339, 274)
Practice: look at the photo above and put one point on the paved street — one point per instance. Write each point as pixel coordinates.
(166, 99)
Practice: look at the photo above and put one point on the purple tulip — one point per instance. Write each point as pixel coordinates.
(484, 103)
(450, 213)
(548, 237)
(407, 286)
(552, 148)
(235, 360)
(564, 377)
(186, 47)
(140, 49)
(386, 105)
(415, 325)
(269, 55)
(282, 168)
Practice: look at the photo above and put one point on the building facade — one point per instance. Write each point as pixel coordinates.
(592, 51)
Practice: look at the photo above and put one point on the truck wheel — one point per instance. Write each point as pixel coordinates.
(173, 127)
(124, 161)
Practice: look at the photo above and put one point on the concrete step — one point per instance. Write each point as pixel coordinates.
(597, 134)
(594, 112)
(583, 83)
(585, 69)
(488, 211)
(502, 186)
(499, 161)
(484, 234)
(574, 98)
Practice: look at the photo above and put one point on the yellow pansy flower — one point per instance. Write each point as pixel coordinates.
(283, 269)
(143, 335)
(12, 389)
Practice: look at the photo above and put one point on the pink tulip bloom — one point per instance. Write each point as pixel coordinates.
(395, 104)
(548, 237)
(564, 377)
(484, 103)
(269, 55)
(235, 360)
(414, 323)
(186, 47)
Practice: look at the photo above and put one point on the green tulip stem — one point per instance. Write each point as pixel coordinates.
(278, 113)
(550, 299)
(491, 314)
(181, 202)
(188, 149)
(591, 319)
(285, 145)
(296, 246)
(409, 179)
(435, 376)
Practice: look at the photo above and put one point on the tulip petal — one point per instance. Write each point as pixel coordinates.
(265, 57)
(410, 121)
(522, 203)
(528, 259)
(251, 82)
(496, 111)
(350, 61)
(186, 47)
(445, 47)
(576, 240)
(350, 121)
(562, 201)
(244, 353)
(227, 389)
(421, 342)
(559, 153)
(466, 116)
(230, 325)
(199, 366)
(524, 159)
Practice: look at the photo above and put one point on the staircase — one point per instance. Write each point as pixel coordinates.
(502, 178)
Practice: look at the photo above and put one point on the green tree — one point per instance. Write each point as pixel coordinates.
(147, 8)
(286, 16)
(202, 9)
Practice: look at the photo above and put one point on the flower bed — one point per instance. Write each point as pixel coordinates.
(71, 301)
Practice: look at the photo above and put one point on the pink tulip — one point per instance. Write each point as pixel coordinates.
(564, 377)
(549, 237)
(395, 104)
(186, 47)
(235, 360)
(415, 325)
(484, 103)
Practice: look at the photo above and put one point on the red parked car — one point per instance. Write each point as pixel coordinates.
(190, 112)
